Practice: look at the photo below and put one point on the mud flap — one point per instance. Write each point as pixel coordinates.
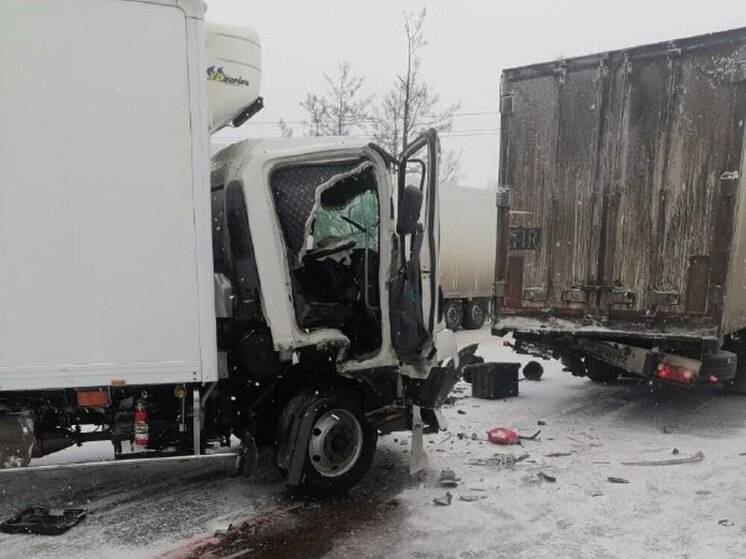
(418, 460)
(16, 439)
(295, 448)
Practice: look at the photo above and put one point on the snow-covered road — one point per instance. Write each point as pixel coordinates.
(587, 431)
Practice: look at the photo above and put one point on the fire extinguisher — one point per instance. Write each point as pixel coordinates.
(141, 425)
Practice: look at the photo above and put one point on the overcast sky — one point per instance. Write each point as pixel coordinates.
(469, 43)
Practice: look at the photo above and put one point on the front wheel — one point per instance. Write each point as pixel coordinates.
(341, 445)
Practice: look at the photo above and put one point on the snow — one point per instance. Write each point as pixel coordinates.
(664, 511)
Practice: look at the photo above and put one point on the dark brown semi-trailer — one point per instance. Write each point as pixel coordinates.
(622, 218)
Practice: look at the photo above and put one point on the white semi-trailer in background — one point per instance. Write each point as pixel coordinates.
(467, 253)
(284, 294)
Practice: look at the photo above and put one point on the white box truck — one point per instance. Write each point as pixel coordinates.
(288, 299)
(468, 220)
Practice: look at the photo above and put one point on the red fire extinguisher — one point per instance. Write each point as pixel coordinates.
(141, 425)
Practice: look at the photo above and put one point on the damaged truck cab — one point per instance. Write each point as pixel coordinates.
(326, 288)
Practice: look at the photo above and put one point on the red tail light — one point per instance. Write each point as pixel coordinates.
(666, 371)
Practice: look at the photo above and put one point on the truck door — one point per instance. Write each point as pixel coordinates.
(415, 287)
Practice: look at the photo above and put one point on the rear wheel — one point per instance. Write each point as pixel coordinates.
(598, 371)
(453, 313)
(341, 446)
(474, 315)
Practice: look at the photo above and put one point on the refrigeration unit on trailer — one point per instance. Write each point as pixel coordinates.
(284, 294)
(468, 220)
(622, 223)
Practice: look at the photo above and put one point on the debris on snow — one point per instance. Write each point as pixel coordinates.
(726, 522)
(671, 462)
(502, 435)
(613, 479)
(558, 454)
(530, 438)
(546, 477)
(448, 478)
(533, 370)
(443, 501)
(472, 498)
(499, 460)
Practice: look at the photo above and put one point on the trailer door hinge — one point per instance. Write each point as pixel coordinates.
(506, 104)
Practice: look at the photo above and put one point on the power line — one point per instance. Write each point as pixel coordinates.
(465, 133)
(362, 120)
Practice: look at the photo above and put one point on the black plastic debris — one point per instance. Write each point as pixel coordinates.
(448, 478)
(533, 370)
(493, 381)
(44, 521)
(613, 479)
(443, 501)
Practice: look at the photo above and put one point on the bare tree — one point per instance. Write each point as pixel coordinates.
(412, 104)
(450, 168)
(285, 130)
(342, 109)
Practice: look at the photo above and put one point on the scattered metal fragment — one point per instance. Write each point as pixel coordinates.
(461, 412)
(597, 494)
(223, 532)
(530, 438)
(546, 477)
(613, 479)
(499, 460)
(443, 501)
(42, 520)
(472, 498)
(671, 462)
(675, 451)
(726, 522)
(448, 478)
(541, 423)
(448, 437)
(558, 454)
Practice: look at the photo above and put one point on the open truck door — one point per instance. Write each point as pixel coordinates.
(415, 286)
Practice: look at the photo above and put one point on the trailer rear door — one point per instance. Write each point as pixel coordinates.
(618, 165)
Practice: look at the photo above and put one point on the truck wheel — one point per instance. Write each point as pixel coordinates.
(474, 315)
(454, 313)
(341, 447)
(598, 371)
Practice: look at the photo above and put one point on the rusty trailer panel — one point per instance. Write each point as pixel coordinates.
(625, 168)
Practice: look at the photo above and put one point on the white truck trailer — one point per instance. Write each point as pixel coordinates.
(468, 220)
(288, 299)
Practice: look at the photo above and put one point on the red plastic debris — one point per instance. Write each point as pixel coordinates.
(501, 435)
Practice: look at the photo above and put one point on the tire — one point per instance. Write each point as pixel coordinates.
(342, 443)
(474, 315)
(598, 371)
(454, 314)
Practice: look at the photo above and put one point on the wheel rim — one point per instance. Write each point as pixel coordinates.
(452, 315)
(476, 314)
(336, 443)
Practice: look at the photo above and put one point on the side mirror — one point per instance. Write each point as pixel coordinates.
(409, 210)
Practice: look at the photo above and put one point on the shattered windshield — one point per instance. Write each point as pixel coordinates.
(356, 220)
